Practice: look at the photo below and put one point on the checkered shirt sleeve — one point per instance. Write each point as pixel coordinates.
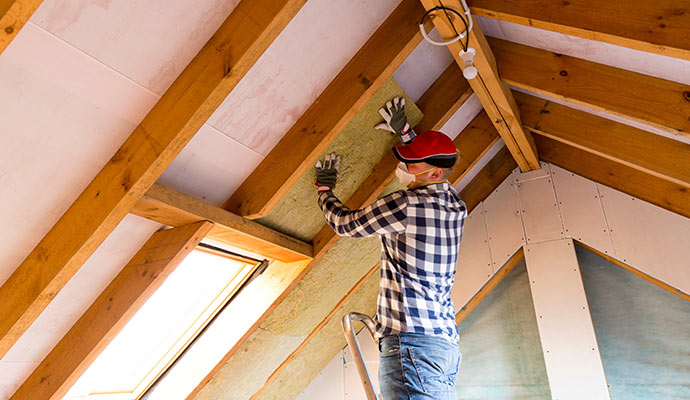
(420, 234)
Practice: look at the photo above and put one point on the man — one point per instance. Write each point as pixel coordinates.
(420, 231)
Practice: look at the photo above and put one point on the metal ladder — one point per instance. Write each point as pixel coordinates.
(352, 341)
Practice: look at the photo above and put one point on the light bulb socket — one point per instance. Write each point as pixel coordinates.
(469, 71)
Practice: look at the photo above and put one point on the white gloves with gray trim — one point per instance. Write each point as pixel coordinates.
(395, 120)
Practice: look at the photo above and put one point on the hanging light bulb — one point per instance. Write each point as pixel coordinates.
(469, 71)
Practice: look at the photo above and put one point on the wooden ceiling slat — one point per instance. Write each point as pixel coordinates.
(170, 207)
(14, 14)
(647, 152)
(111, 311)
(653, 26)
(309, 137)
(172, 122)
(653, 101)
(493, 93)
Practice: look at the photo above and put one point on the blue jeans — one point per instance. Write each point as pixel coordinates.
(417, 367)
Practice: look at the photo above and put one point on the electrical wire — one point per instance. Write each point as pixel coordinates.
(459, 36)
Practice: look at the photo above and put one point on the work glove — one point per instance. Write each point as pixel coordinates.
(327, 173)
(396, 120)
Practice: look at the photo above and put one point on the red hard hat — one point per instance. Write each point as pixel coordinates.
(431, 147)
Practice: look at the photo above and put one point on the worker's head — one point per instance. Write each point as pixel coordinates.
(430, 158)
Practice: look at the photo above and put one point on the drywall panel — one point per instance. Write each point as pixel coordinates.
(45, 162)
(649, 238)
(642, 332)
(353, 384)
(503, 223)
(421, 68)
(79, 293)
(542, 172)
(538, 206)
(296, 68)
(570, 348)
(150, 42)
(328, 385)
(664, 67)
(51, 59)
(211, 166)
(499, 340)
(474, 259)
(581, 210)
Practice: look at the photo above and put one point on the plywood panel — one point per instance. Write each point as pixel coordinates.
(149, 41)
(474, 259)
(649, 238)
(211, 166)
(571, 351)
(581, 210)
(503, 223)
(294, 71)
(539, 209)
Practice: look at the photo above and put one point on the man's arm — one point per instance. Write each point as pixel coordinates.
(386, 215)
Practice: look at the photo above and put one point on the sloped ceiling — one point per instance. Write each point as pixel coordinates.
(79, 77)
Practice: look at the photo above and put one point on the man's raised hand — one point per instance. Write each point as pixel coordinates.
(327, 172)
(395, 120)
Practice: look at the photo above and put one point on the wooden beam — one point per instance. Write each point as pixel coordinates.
(488, 179)
(653, 26)
(649, 153)
(650, 188)
(13, 15)
(309, 137)
(439, 103)
(111, 312)
(170, 207)
(472, 143)
(490, 285)
(635, 271)
(177, 116)
(646, 99)
(493, 93)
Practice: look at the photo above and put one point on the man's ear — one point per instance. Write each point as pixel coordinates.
(436, 173)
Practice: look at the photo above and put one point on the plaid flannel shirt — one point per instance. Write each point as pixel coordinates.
(420, 233)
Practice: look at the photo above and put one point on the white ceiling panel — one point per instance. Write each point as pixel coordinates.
(149, 41)
(211, 167)
(298, 66)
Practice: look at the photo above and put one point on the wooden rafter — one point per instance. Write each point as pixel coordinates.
(653, 101)
(493, 93)
(111, 311)
(649, 153)
(654, 26)
(442, 100)
(13, 15)
(650, 188)
(488, 179)
(472, 143)
(170, 207)
(177, 116)
(309, 137)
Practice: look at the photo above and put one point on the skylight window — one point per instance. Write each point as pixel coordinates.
(163, 327)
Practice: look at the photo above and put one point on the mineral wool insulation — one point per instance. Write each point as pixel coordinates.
(316, 295)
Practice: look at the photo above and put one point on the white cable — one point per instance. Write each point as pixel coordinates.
(428, 38)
